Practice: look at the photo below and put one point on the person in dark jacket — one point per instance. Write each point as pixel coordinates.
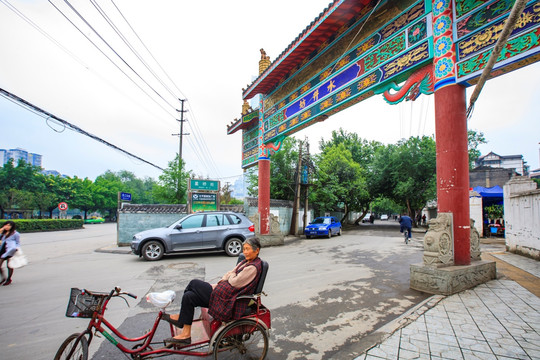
(10, 243)
(406, 224)
(220, 298)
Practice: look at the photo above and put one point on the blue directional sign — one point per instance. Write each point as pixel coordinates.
(125, 196)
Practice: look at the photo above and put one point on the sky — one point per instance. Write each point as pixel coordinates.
(204, 52)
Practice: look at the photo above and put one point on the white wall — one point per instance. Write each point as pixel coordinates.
(522, 216)
(475, 208)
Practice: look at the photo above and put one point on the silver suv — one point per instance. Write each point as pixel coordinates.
(216, 230)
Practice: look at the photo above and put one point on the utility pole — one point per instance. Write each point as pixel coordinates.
(180, 135)
(181, 111)
(306, 185)
(296, 204)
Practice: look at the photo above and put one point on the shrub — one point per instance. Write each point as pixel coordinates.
(33, 225)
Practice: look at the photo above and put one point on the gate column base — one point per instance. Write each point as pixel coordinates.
(271, 240)
(451, 279)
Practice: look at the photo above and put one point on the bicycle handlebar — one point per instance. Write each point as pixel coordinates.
(114, 292)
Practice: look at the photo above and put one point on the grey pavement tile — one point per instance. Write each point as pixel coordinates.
(384, 352)
(408, 355)
(445, 351)
(533, 354)
(449, 340)
(474, 345)
(420, 336)
(509, 351)
(361, 357)
(493, 335)
(370, 357)
(477, 355)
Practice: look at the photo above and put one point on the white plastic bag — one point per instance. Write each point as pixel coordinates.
(162, 299)
(18, 260)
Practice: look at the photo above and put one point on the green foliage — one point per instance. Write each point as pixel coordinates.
(172, 185)
(475, 139)
(537, 181)
(494, 211)
(339, 179)
(24, 225)
(24, 187)
(282, 172)
(406, 173)
(384, 205)
(362, 153)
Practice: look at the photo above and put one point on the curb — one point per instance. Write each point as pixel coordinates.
(113, 250)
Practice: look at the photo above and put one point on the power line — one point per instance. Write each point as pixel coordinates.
(116, 53)
(63, 48)
(130, 46)
(41, 112)
(108, 58)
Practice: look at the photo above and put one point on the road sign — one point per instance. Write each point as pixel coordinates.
(203, 202)
(209, 185)
(125, 196)
(63, 206)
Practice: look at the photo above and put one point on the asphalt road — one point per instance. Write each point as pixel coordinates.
(327, 296)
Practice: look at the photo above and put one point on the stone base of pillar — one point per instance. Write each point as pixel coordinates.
(271, 240)
(451, 279)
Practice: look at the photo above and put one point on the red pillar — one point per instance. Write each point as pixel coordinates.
(453, 165)
(264, 196)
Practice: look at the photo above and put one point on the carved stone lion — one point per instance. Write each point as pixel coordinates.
(475, 243)
(438, 241)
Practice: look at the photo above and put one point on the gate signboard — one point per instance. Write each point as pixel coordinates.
(203, 202)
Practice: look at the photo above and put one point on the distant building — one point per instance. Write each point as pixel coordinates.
(52, 172)
(239, 191)
(19, 154)
(514, 162)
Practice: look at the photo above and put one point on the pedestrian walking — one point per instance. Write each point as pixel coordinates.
(10, 243)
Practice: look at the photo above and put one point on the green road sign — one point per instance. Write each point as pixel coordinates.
(209, 185)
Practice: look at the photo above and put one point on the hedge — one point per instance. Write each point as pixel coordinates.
(32, 225)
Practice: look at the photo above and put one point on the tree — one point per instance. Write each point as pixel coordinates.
(339, 179)
(362, 152)
(105, 193)
(83, 199)
(16, 181)
(475, 139)
(282, 172)
(171, 187)
(406, 173)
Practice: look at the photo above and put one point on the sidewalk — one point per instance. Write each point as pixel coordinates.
(496, 320)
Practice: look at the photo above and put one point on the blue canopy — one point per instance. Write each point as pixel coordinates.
(491, 192)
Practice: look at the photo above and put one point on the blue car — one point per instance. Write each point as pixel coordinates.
(323, 226)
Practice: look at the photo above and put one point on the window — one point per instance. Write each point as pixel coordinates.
(214, 220)
(193, 222)
(232, 220)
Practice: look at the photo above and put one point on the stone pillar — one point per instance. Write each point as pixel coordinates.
(264, 196)
(453, 165)
(450, 132)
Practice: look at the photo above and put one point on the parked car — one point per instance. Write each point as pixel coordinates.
(366, 218)
(323, 226)
(384, 217)
(94, 220)
(216, 230)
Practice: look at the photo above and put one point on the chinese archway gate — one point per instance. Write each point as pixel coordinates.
(356, 49)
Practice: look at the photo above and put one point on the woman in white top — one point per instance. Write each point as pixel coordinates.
(10, 243)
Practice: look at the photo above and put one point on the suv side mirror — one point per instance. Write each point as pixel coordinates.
(178, 227)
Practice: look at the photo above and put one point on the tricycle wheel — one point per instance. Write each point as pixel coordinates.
(242, 339)
(80, 351)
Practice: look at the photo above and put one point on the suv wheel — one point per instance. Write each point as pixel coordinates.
(152, 250)
(233, 247)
